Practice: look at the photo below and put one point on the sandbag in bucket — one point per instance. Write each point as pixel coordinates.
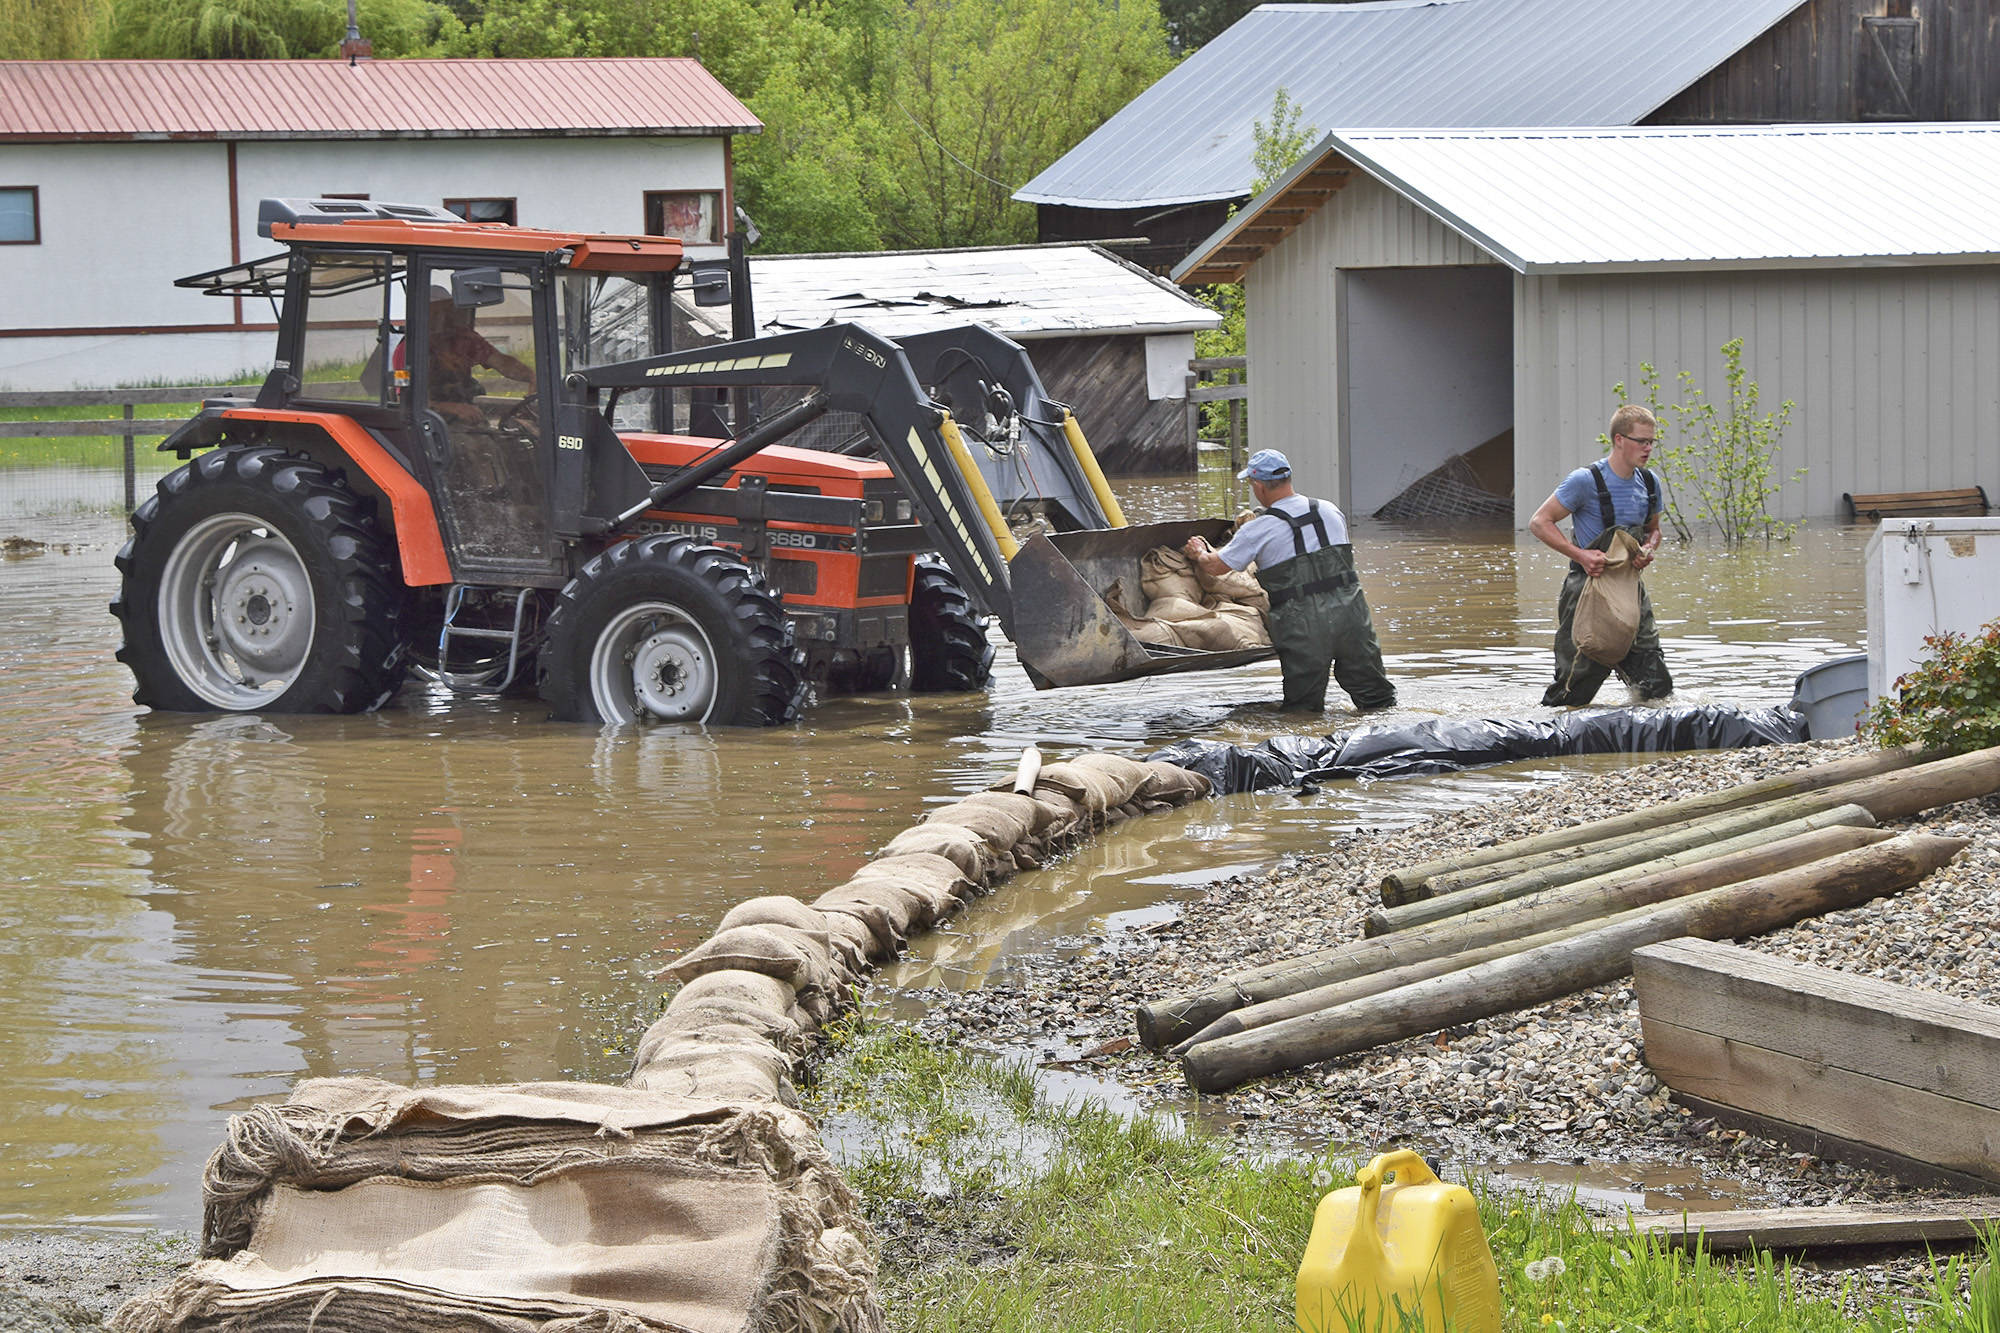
(1607, 611)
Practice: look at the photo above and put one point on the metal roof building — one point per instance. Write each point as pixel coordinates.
(1395, 63)
(161, 163)
(1439, 291)
(1108, 338)
(70, 100)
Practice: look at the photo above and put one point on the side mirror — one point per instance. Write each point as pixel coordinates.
(475, 287)
(710, 283)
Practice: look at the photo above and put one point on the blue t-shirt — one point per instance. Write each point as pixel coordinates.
(1578, 494)
(1267, 540)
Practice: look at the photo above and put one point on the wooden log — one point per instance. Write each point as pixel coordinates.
(1863, 1060)
(1554, 970)
(1507, 928)
(1900, 795)
(1728, 832)
(1166, 1022)
(1925, 1223)
(1400, 886)
(1253, 1016)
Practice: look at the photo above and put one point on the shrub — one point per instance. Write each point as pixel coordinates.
(1949, 701)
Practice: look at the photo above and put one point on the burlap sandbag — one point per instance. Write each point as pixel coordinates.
(939, 875)
(1607, 611)
(854, 944)
(735, 986)
(1091, 789)
(1123, 603)
(1166, 571)
(1174, 784)
(1235, 586)
(1152, 631)
(1001, 827)
(718, 1016)
(1210, 633)
(716, 1076)
(961, 846)
(361, 1207)
(792, 956)
(1037, 815)
(887, 929)
(1253, 629)
(1128, 774)
(1178, 610)
(774, 910)
(905, 911)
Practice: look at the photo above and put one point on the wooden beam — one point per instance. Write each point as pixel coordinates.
(1933, 1221)
(1908, 1071)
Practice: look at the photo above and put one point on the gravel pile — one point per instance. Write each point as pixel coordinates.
(1563, 1082)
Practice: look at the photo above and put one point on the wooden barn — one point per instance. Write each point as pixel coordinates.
(1107, 338)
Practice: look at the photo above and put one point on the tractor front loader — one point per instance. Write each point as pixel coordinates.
(475, 455)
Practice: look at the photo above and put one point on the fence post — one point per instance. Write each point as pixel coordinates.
(1193, 418)
(131, 467)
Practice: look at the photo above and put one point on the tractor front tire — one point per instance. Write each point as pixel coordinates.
(949, 651)
(256, 580)
(666, 629)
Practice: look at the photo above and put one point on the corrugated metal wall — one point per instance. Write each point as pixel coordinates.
(1292, 315)
(1895, 372)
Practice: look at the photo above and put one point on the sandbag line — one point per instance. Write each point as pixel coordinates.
(755, 993)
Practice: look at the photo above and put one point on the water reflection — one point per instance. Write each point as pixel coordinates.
(200, 910)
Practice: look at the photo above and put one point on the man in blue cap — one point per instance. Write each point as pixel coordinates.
(1319, 616)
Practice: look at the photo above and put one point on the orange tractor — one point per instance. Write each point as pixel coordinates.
(477, 454)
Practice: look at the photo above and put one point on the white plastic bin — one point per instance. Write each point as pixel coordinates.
(1926, 575)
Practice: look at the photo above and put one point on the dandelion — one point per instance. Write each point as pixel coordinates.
(1541, 1270)
(1322, 1178)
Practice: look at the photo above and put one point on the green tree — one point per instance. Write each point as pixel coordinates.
(49, 29)
(1721, 461)
(267, 29)
(979, 97)
(1274, 146)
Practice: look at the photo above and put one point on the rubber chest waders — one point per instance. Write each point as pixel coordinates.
(1645, 668)
(1320, 624)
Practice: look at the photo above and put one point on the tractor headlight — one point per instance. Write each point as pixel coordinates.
(871, 511)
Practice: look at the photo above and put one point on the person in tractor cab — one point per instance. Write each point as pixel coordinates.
(456, 350)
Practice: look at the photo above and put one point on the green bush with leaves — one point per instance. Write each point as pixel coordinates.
(1722, 459)
(1949, 701)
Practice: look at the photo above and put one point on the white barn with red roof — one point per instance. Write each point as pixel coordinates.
(118, 176)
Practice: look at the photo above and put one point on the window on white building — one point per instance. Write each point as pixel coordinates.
(482, 210)
(20, 215)
(695, 216)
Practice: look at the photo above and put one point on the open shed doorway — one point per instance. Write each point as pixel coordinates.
(1427, 391)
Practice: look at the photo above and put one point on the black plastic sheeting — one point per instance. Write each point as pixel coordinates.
(1447, 745)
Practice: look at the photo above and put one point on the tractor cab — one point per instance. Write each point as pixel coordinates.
(446, 340)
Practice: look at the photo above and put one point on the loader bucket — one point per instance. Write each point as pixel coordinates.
(1066, 634)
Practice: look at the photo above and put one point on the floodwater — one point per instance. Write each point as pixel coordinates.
(196, 911)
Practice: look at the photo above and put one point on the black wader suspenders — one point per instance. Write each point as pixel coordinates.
(1299, 523)
(1607, 514)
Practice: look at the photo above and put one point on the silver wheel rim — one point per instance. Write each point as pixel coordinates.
(236, 612)
(653, 663)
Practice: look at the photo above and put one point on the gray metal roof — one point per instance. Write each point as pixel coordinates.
(1396, 63)
(1024, 291)
(1549, 201)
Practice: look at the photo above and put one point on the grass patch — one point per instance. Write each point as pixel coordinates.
(998, 1210)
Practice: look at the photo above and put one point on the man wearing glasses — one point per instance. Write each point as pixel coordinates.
(1615, 492)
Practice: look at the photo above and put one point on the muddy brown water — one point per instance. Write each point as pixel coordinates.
(197, 911)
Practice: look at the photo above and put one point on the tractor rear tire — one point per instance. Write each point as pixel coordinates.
(949, 652)
(255, 581)
(873, 672)
(666, 629)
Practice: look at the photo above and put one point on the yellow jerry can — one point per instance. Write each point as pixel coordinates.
(1380, 1254)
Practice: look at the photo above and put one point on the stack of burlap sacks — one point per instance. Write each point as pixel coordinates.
(694, 1199)
(1180, 603)
(776, 969)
